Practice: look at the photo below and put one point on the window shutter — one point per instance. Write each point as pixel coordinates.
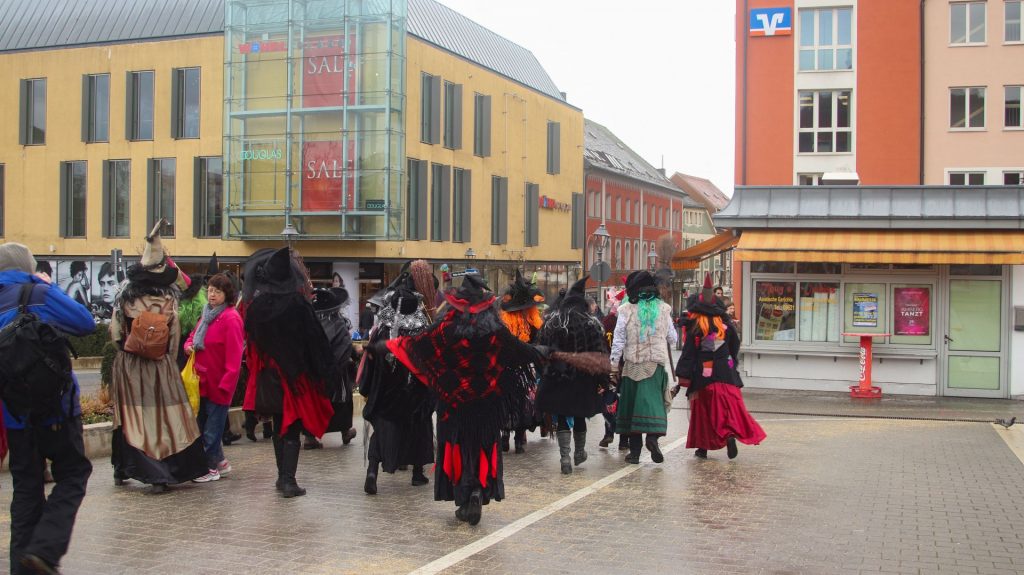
(198, 201)
(457, 119)
(86, 106)
(108, 198)
(435, 110)
(421, 195)
(503, 205)
(129, 105)
(577, 212)
(485, 118)
(446, 203)
(555, 144)
(467, 204)
(64, 183)
(23, 115)
(175, 102)
(150, 194)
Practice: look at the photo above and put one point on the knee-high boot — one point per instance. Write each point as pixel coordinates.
(278, 442)
(580, 439)
(370, 485)
(564, 449)
(289, 465)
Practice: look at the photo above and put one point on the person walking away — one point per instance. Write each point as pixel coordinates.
(569, 393)
(156, 439)
(328, 303)
(217, 343)
(707, 368)
(41, 526)
(643, 337)
(519, 311)
(611, 391)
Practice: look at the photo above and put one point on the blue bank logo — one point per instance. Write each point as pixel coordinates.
(771, 22)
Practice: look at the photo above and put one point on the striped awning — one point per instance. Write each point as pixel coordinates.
(883, 246)
(690, 258)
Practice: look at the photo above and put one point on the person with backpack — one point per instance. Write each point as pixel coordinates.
(156, 439)
(39, 428)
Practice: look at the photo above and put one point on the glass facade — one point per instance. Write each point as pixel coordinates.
(315, 118)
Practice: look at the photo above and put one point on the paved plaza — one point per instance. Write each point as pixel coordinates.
(825, 493)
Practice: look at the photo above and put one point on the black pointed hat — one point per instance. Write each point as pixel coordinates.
(521, 294)
(473, 295)
(213, 266)
(272, 271)
(329, 299)
(576, 296)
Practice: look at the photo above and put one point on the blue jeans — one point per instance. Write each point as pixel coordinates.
(211, 423)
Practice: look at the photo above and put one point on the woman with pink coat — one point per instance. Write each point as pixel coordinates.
(217, 341)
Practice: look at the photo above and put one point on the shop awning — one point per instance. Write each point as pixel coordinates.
(690, 258)
(883, 246)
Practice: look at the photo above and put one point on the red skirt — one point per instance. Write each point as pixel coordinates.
(717, 412)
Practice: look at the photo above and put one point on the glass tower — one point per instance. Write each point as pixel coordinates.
(314, 135)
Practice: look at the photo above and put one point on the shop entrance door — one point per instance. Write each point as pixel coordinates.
(974, 344)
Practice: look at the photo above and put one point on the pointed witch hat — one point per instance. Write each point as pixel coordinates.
(576, 295)
(707, 295)
(521, 294)
(154, 268)
(213, 266)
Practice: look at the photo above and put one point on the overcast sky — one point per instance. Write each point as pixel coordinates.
(657, 73)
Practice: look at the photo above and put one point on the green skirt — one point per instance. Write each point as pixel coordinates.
(642, 405)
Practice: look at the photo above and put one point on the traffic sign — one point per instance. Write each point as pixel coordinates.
(600, 271)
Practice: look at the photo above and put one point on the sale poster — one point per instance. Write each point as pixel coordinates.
(865, 310)
(911, 313)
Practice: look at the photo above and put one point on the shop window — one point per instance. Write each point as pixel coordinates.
(826, 39)
(819, 311)
(116, 198)
(911, 314)
(72, 199)
(139, 106)
(818, 268)
(975, 270)
(1011, 21)
(452, 116)
(499, 210)
(96, 108)
(967, 108)
(209, 197)
(864, 308)
(185, 103)
(161, 180)
(32, 124)
(967, 23)
(771, 267)
(1011, 107)
(775, 311)
(481, 125)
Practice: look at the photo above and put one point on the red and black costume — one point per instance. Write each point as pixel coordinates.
(707, 367)
(520, 314)
(471, 361)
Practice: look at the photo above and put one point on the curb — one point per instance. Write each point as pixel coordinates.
(86, 363)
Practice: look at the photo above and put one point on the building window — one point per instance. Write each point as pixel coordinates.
(139, 106)
(430, 109)
(72, 199)
(579, 223)
(3, 180)
(499, 210)
(452, 116)
(825, 122)
(967, 178)
(1009, 178)
(417, 200)
(481, 125)
(185, 103)
(1011, 111)
(209, 197)
(826, 39)
(462, 206)
(32, 125)
(96, 108)
(808, 179)
(627, 251)
(616, 208)
(531, 214)
(117, 176)
(554, 145)
(440, 202)
(1011, 21)
(967, 108)
(160, 204)
(967, 23)
(617, 259)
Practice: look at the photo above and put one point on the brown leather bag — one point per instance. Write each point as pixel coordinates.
(149, 336)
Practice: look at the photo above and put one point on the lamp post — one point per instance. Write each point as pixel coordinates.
(289, 232)
(652, 257)
(599, 271)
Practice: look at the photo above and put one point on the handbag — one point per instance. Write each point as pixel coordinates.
(269, 392)
(190, 379)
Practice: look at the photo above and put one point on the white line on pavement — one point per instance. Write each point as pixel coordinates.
(518, 525)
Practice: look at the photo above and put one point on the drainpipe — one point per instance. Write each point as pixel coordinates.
(921, 96)
(743, 144)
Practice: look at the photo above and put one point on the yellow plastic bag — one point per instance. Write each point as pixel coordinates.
(191, 380)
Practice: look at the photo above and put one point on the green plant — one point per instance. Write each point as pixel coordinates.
(97, 407)
(91, 345)
(107, 365)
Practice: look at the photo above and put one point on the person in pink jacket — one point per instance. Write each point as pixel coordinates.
(217, 341)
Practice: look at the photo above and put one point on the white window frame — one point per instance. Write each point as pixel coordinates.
(834, 129)
(967, 22)
(967, 174)
(1007, 22)
(1018, 173)
(1020, 107)
(814, 177)
(816, 48)
(967, 108)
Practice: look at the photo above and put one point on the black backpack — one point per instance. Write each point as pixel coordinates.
(35, 363)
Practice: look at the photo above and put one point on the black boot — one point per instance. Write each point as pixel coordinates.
(418, 478)
(701, 453)
(623, 442)
(250, 425)
(230, 437)
(652, 446)
(348, 436)
(565, 450)
(579, 439)
(278, 442)
(289, 465)
(370, 485)
(635, 444)
(474, 509)
(520, 441)
(310, 442)
(504, 441)
(731, 448)
(606, 440)
(268, 430)
(460, 513)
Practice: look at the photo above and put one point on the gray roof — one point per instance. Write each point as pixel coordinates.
(41, 24)
(604, 151)
(875, 207)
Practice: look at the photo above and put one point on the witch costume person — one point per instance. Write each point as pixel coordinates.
(288, 356)
(520, 312)
(642, 338)
(707, 369)
(570, 394)
(328, 303)
(398, 408)
(156, 439)
(470, 360)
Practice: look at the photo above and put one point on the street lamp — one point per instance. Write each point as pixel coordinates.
(470, 254)
(601, 239)
(289, 233)
(652, 257)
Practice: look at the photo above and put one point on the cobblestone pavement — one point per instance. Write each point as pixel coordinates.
(821, 495)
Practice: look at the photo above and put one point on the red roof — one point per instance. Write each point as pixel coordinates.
(701, 190)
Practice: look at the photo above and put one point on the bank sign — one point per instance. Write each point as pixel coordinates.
(771, 22)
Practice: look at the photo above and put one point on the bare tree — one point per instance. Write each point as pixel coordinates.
(665, 247)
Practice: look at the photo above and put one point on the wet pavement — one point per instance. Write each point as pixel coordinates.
(849, 492)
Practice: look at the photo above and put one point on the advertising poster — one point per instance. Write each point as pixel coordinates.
(865, 310)
(323, 71)
(90, 282)
(325, 177)
(911, 310)
(776, 311)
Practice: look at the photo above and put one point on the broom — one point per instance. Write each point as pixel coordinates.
(594, 362)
